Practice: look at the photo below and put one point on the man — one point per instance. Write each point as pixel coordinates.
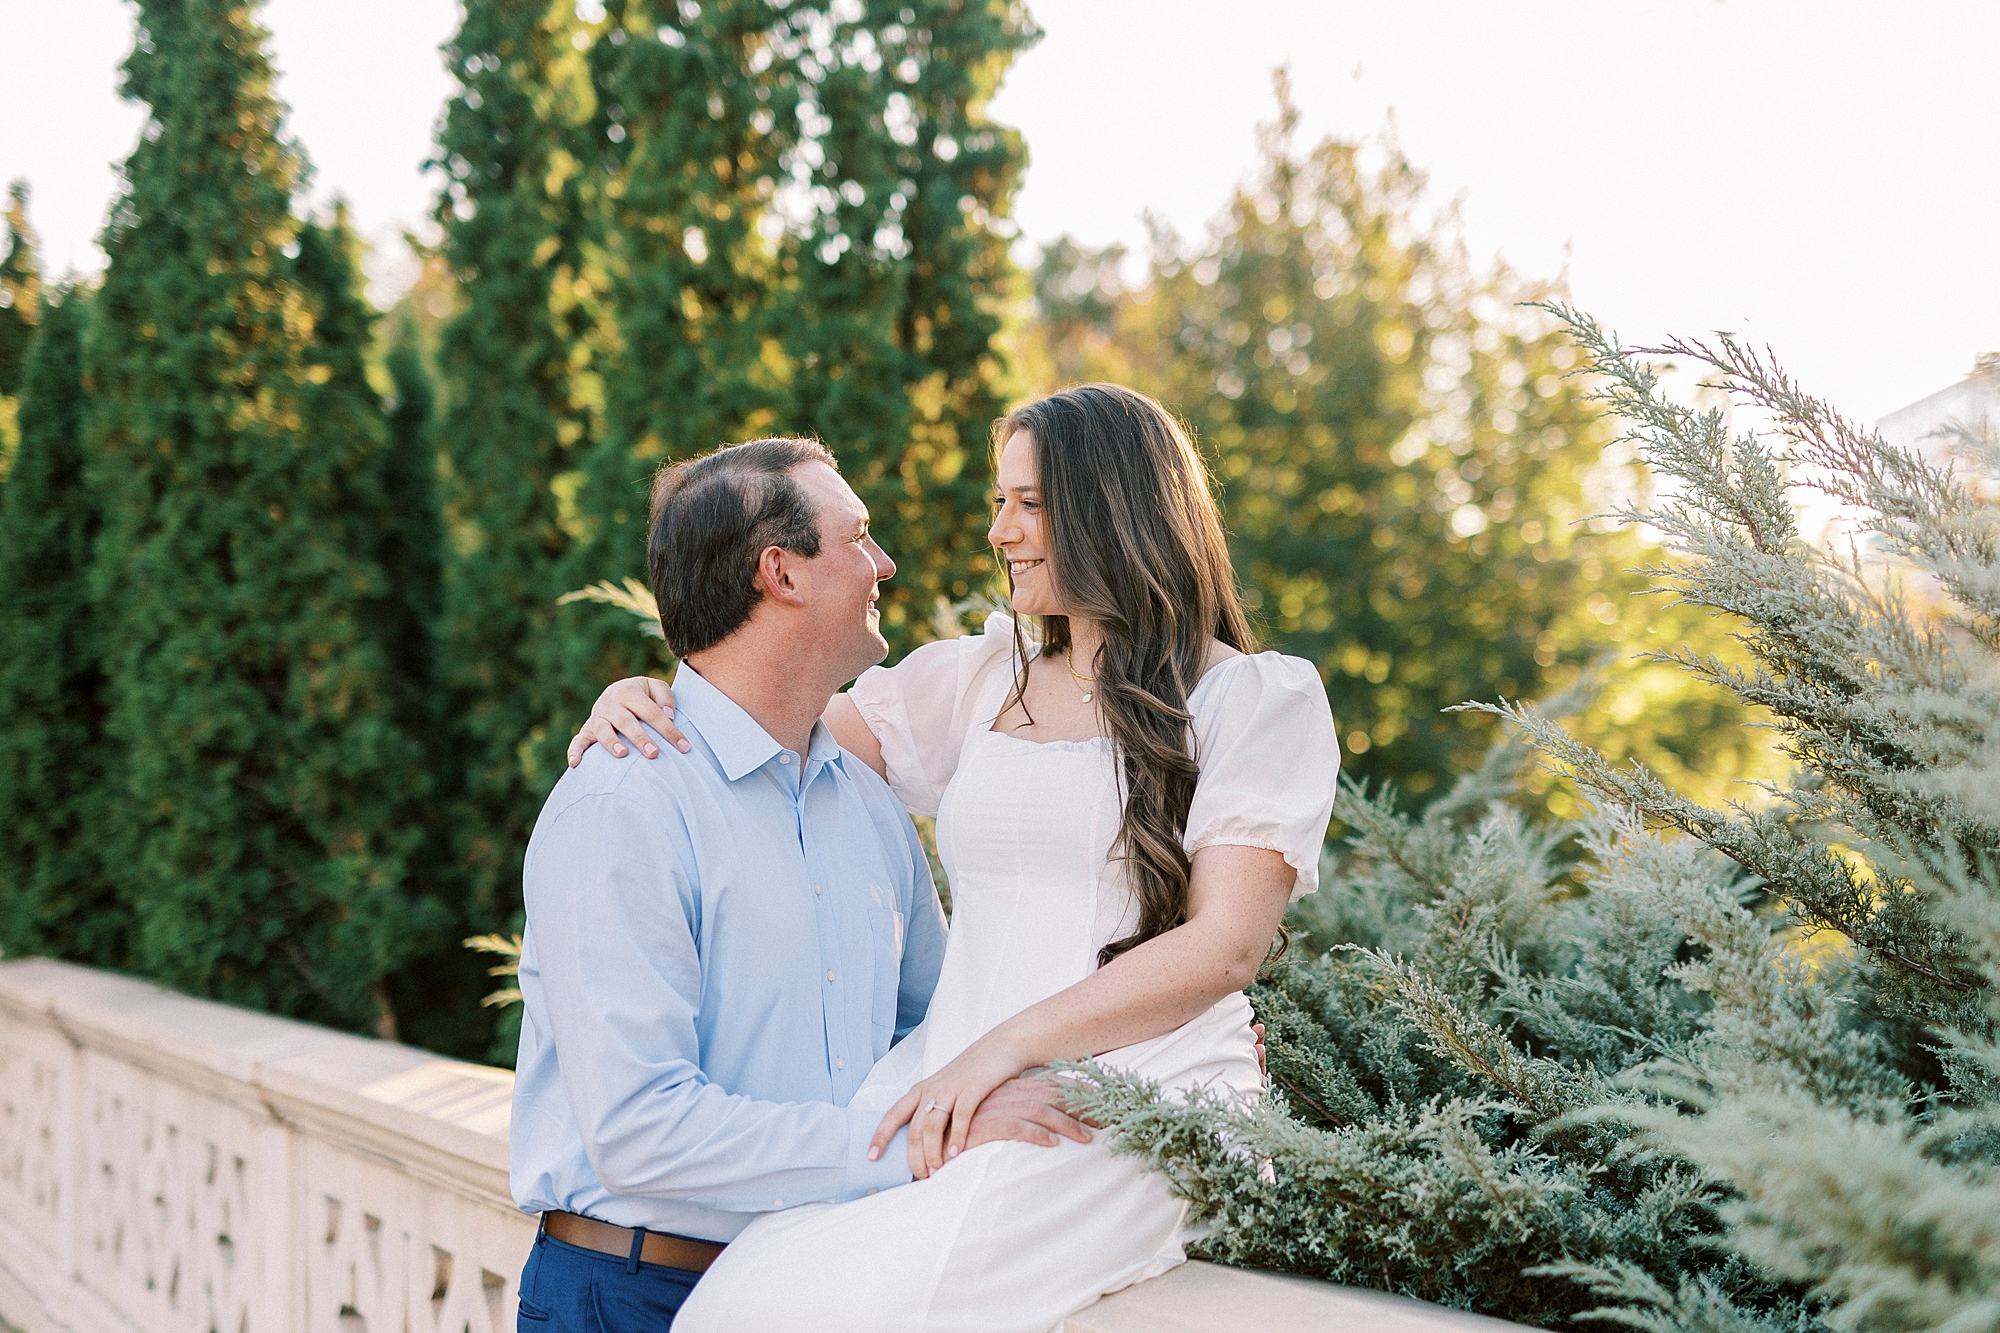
(719, 947)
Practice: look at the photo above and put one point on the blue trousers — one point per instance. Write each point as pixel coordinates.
(565, 1289)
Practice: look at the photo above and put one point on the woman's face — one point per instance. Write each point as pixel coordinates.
(1018, 531)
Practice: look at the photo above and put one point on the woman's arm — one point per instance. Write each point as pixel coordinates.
(627, 704)
(844, 720)
(1236, 898)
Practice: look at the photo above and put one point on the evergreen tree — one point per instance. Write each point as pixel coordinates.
(436, 992)
(694, 226)
(1407, 472)
(433, 992)
(56, 893)
(807, 232)
(262, 837)
(408, 536)
(20, 308)
(20, 291)
(521, 396)
(413, 541)
(688, 351)
(902, 272)
(1378, 524)
(1678, 1067)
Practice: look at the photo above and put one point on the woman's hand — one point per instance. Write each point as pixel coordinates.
(940, 1109)
(620, 710)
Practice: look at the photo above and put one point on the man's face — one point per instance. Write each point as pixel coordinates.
(840, 583)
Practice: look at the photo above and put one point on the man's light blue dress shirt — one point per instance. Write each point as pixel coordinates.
(716, 955)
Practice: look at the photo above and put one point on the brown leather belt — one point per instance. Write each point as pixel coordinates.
(693, 1256)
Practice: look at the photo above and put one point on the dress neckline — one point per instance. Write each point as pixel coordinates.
(1100, 739)
(1087, 743)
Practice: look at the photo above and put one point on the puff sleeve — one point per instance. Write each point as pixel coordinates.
(1270, 762)
(921, 708)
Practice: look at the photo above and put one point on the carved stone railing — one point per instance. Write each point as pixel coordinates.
(170, 1165)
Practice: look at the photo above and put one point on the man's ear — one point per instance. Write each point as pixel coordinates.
(777, 576)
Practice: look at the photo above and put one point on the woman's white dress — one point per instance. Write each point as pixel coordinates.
(1015, 1237)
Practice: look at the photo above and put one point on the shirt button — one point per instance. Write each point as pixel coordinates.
(777, 1203)
(839, 1062)
(874, 1191)
(815, 888)
(829, 974)
(785, 758)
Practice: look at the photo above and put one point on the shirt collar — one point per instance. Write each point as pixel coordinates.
(822, 748)
(738, 743)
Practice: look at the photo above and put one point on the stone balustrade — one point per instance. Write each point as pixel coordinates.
(170, 1165)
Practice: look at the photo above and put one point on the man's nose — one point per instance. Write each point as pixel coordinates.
(884, 566)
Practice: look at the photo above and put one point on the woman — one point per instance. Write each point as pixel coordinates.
(1125, 808)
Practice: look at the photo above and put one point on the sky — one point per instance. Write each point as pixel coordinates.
(1820, 178)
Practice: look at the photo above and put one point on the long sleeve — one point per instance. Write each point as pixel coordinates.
(613, 918)
(923, 943)
(921, 709)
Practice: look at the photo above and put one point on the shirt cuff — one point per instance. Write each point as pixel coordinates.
(863, 1176)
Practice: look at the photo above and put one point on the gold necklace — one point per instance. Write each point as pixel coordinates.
(1069, 664)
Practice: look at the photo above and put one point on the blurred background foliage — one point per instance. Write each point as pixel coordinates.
(288, 668)
(1414, 483)
(20, 311)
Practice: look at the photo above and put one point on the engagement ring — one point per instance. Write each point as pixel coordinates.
(932, 1106)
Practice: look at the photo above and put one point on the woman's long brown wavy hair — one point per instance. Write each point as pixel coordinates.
(1135, 543)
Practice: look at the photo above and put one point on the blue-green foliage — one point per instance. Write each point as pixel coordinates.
(1670, 1066)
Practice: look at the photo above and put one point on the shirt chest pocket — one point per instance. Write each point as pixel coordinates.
(885, 933)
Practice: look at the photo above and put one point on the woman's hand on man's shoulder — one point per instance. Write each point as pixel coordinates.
(624, 710)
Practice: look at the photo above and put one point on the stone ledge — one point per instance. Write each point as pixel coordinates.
(440, 1127)
(443, 1118)
(1209, 1298)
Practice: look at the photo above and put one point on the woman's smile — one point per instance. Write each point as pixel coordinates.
(1020, 567)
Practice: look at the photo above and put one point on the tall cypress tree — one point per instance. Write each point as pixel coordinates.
(903, 272)
(691, 139)
(695, 225)
(55, 894)
(407, 528)
(520, 390)
(20, 308)
(809, 232)
(262, 840)
(413, 541)
(20, 291)
(433, 992)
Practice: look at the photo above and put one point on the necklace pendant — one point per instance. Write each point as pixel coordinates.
(1086, 698)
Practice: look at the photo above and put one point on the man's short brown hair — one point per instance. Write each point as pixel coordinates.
(712, 519)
